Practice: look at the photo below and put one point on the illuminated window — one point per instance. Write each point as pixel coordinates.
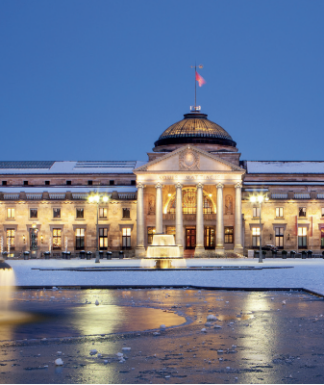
(79, 239)
(302, 237)
(56, 213)
(255, 236)
(103, 212)
(279, 212)
(279, 235)
(256, 212)
(189, 203)
(322, 237)
(209, 237)
(126, 237)
(103, 239)
(302, 211)
(57, 239)
(150, 233)
(11, 233)
(126, 213)
(79, 213)
(33, 213)
(11, 213)
(322, 212)
(229, 234)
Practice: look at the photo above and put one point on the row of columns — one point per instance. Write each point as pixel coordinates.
(199, 218)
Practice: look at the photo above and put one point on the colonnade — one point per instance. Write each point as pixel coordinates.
(199, 218)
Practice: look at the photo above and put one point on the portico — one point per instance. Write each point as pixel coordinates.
(189, 186)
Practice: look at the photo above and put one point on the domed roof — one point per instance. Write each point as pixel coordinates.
(195, 128)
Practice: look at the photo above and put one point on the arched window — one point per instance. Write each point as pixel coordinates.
(189, 203)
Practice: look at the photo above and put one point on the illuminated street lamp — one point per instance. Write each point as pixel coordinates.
(97, 198)
(259, 198)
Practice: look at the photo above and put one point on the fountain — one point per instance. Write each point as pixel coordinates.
(162, 253)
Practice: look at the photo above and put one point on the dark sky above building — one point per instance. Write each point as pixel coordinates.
(101, 80)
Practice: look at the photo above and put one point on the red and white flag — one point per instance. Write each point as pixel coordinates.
(200, 79)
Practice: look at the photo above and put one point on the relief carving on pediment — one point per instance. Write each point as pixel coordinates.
(189, 160)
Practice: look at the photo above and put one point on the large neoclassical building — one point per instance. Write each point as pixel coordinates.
(193, 186)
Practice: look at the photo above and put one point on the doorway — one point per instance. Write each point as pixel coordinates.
(33, 239)
(209, 235)
(190, 237)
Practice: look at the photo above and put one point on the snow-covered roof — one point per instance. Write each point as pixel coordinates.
(64, 189)
(285, 167)
(69, 167)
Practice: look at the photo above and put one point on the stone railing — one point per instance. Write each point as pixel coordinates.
(11, 196)
(34, 196)
(302, 196)
(127, 196)
(279, 196)
(79, 196)
(57, 196)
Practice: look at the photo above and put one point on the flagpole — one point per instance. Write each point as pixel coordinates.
(195, 86)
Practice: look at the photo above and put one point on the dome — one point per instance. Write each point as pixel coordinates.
(195, 128)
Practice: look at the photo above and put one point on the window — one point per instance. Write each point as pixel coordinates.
(302, 211)
(322, 237)
(189, 203)
(25, 182)
(11, 239)
(322, 212)
(68, 182)
(80, 213)
(57, 239)
(150, 233)
(33, 213)
(255, 236)
(56, 213)
(209, 237)
(229, 234)
(103, 239)
(126, 213)
(4, 183)
(133, 182)
(47, 183)
(102, 212)
(279, 235)
(279, 212)
(90, 182)
(11, 213)
(126, 237)
(302, 237)
(256, 212)
(111, 182)
(79, 239)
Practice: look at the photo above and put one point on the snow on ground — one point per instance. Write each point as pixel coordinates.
(307, 274)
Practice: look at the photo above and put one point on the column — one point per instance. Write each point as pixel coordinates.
(158, 210)
(140, 249)
(220, 220)
(199, 250)
(238, 248)
(179, 218)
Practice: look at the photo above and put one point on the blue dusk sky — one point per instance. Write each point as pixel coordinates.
(101, 80)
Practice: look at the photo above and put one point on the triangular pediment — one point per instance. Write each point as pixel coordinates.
(189, 158)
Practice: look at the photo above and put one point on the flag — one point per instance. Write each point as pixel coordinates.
(200, 79)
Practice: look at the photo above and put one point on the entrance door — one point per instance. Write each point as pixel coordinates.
(209, 237)
(190, 237)
(33, 239)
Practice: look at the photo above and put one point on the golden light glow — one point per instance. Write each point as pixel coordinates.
(105, 198)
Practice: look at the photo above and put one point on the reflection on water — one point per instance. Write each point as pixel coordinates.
(72, 313)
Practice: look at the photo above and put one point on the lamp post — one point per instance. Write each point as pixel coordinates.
(260, 198)
(97, 198)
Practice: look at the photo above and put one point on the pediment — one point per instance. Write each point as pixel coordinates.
(189, 158)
